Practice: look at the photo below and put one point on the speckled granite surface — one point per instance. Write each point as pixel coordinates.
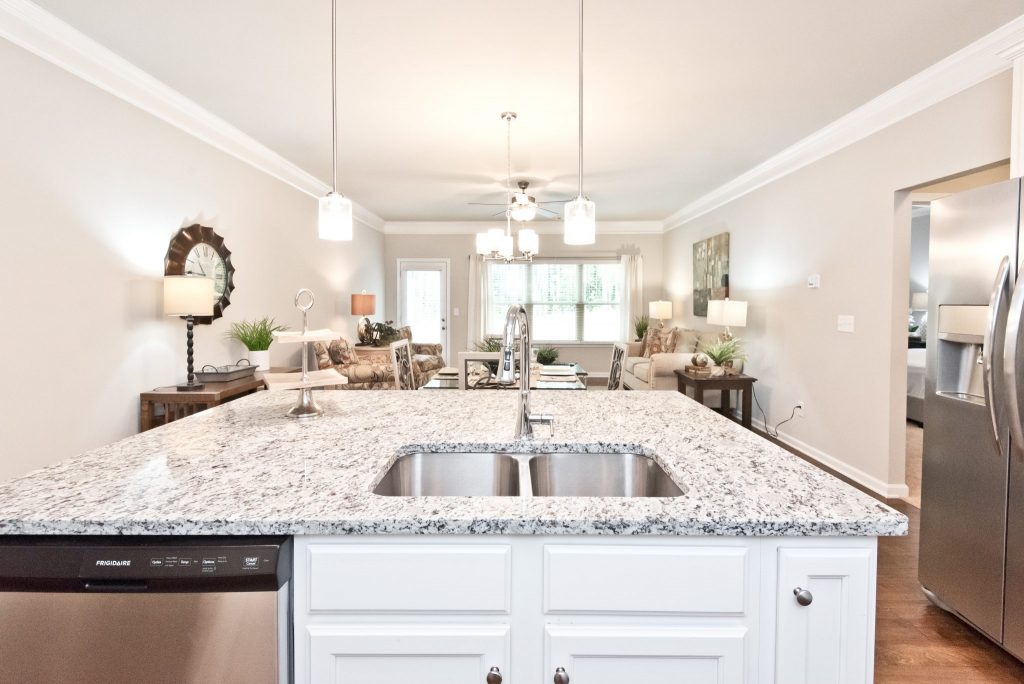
(243, 468)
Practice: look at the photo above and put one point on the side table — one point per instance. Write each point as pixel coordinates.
(177, 405)
(725, 383)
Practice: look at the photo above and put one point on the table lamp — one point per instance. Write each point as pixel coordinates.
(363, 305)
(919, 301)
(660, 310)
(728, 313)
(188, 296)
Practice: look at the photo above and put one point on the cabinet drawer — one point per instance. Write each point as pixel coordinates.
(645, 579)
(410, 578)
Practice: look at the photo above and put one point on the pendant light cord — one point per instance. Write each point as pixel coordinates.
(334, 95)
(508, 176)
(580, 151)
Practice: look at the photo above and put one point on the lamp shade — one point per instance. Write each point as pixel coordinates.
(919, 301)
(529, 242)
(580, 222)
(335, 221)
(364, 304)
(730, 313)
(186, 295)
(660, 310)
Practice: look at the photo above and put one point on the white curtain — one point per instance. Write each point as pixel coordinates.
(633, 271)
(475, 318)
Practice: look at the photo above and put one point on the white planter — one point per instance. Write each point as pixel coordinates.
(260, 359)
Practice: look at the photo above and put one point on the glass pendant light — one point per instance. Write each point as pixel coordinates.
(335, 217)
(580, 213)
(529, 242)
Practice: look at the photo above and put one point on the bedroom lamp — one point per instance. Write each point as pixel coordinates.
(660, 310)
(919, 301)
(188, 296)
(727, 313)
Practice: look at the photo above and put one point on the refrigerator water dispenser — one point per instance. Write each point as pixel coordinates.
(961, 336)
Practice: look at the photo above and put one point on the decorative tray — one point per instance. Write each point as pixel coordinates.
(232, 371)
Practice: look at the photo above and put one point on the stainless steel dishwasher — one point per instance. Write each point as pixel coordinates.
(157, 610)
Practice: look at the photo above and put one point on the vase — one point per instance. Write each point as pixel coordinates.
(260, 359)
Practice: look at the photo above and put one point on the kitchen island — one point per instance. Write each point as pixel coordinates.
(763, 570)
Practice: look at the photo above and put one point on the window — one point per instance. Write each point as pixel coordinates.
(567, 300)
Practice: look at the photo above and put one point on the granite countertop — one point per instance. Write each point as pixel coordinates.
(244, 468)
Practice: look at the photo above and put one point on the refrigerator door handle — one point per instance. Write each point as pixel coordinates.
(996, 336)
(1013, 364)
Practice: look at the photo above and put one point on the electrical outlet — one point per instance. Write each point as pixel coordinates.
(800, 409)
(845, 323)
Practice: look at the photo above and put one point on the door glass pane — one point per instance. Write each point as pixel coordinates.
(423, 306)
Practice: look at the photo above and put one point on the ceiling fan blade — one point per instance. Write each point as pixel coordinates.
(555, 201)
(500, 213)
(487, 204)
(553, 213)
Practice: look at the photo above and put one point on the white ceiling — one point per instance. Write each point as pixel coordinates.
(681, 95)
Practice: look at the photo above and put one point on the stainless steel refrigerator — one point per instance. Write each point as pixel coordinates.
(972, 513)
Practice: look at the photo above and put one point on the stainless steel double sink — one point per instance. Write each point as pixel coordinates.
(527, 474)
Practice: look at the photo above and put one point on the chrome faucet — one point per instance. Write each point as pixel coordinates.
(525, 420)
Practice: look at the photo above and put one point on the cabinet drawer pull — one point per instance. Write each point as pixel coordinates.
(494, 676)
(560, 676)
(803, 597)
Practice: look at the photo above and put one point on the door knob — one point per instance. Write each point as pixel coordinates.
(560, 676)
(803, 597)
(494, 676)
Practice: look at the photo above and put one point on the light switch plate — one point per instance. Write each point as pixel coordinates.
(845, 323)
(455, 311)
(814, 281)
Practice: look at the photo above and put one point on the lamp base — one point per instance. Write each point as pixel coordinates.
(193, 387)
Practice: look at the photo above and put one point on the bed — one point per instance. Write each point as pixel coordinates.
(915, 385)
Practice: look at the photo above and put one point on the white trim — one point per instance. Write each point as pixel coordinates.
(542, 227)
(889, 490)
(29, 26)
(982, 59)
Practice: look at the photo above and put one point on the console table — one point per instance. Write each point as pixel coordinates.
(177, 405)
(726, 383)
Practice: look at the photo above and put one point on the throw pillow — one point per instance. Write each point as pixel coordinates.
(686, 341)
(341, 353)
(660, 341)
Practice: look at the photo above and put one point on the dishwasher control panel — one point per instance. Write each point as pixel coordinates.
(117, 562)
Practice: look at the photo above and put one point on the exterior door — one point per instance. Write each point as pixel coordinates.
(423, 287)
(620, 654)
(391, 654)
(828, 640)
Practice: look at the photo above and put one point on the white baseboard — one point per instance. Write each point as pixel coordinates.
(889, 490)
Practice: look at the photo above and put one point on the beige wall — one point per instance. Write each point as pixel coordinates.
(836, 218)
(92, 190)
(458, 248)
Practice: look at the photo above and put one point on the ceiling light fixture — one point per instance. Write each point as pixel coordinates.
(335, 220)
(496, 244)
(580, 214)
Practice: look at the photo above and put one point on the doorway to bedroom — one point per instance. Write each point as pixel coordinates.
(917, 299)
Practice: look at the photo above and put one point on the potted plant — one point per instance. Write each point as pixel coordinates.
(640, 325)
(547, 356)
(490, 344)
(724, 353)
(383, 333)
(256, 336)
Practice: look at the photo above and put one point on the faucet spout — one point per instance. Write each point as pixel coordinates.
(516, 320)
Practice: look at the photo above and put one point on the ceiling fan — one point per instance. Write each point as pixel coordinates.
(524, 207)
(520, 206)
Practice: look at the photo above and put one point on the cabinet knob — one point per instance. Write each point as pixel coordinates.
(494, 676)
(803, 597)
(560, 676)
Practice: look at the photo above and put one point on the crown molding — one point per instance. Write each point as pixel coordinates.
(542, 227)
(31, 27)
(981, 60)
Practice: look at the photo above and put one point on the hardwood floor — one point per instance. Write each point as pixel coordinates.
(917, 642)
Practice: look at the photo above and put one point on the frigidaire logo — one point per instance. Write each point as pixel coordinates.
(119, 563)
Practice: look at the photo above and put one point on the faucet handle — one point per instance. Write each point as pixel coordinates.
(543, 419)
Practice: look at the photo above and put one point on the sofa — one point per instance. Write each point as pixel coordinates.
(657, 371)
(371, 368)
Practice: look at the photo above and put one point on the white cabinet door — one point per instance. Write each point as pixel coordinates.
(828, 641)
(391, 654)
(624, 654)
